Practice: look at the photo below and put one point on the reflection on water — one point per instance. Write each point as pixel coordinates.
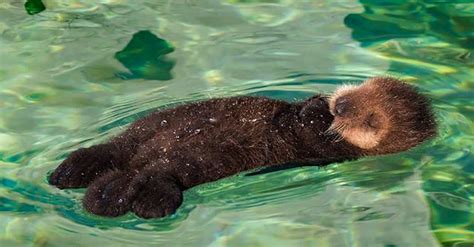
(451, 21)
(59, 91)
(34, 7)
(145, 57)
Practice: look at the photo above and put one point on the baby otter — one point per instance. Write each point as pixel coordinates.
(146, 168)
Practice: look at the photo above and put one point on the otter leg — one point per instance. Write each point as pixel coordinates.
(84, 165)
(111, 194)
(158, 195)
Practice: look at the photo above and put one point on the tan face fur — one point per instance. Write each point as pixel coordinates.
(382, 115)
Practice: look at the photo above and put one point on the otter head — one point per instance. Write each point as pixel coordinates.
(382, 115)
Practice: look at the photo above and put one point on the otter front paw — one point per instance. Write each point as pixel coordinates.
(313, 105)
(158, 196)
(110, 195)
(83, 166)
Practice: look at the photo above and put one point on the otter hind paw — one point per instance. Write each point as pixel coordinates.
(157, 196)
(110, 195)
(82, 167)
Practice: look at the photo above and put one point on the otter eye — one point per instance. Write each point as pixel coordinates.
(372, 121)
(341, 106)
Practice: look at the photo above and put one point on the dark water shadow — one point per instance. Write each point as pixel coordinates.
(385, 20)
(145, 57)
(34, 7)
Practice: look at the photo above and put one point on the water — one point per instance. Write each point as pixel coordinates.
(71, 76)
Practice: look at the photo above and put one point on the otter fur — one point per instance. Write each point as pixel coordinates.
(146, 169)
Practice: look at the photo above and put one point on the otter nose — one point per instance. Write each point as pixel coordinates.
(341, 107)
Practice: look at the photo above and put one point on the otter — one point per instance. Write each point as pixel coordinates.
(146, 168)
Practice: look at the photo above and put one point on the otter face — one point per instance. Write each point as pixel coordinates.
(382, 115)
(358, 118)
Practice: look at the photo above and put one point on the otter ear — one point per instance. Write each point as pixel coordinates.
(373, 121)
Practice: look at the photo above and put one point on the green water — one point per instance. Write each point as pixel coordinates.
(75, 73)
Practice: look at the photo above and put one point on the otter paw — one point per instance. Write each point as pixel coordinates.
(157, 196)
(313, 105)
(110, 195)
(82, 167)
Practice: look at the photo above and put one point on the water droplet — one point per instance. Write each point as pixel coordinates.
(164, 123)
(197, 131)
(120, 200)
(312, 122)
(212, 120)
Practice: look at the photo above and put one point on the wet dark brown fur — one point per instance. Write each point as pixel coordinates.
(146, 168)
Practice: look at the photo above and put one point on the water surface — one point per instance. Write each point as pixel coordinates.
(77, 72)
